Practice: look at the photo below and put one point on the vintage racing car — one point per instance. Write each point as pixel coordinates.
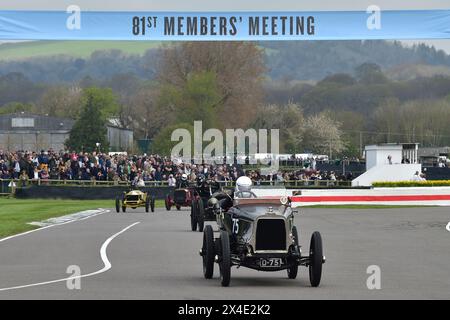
(181, 198)
(134, 199)
(259, 234)
(200, 211)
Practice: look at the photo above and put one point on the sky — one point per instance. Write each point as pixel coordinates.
(236, 5)
(224, 5)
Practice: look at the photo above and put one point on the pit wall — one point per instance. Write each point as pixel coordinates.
(433, 196)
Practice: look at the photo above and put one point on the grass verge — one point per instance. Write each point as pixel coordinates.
(15, 214)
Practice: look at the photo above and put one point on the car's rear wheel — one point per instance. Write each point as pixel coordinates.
(147, 203)
(208, 252)
(200, 215)
(293, 271)
(225, 259)
(117, 204)
(152, 204)
(316, 259)
(167, 202)
(194, 215)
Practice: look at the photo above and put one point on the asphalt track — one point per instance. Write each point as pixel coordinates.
(157, 258)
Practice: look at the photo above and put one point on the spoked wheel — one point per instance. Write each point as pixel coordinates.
(152, 204)
(316, 259)
(194, 215)
(208, 252)
(225, 259)
(117, 204)
(167, 203)
(292, 271)
(200, 215)
(147, 203)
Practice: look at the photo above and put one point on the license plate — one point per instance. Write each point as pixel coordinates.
(271, 262)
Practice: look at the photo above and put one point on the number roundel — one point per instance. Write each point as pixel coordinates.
(235, 225)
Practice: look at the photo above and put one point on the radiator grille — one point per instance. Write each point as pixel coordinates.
(271, 234)
(132, 198)
(179, 196)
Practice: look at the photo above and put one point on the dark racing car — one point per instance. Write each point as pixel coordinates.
(200, 211)
(259, 234)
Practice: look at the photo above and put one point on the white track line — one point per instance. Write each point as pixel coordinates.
(107, 265)
(51, 226)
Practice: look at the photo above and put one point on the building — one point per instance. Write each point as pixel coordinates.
(389, 162)
(119, 138)
(24, 131)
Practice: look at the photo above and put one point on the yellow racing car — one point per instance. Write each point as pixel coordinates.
(134, 199)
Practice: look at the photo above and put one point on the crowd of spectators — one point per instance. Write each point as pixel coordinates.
(51, 165)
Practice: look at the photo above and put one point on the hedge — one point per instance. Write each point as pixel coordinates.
(431, 183)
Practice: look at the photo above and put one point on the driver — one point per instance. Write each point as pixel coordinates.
(244, 188)
(224, 199)
(183, 182)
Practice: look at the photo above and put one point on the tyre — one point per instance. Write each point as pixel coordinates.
(225, 259)
(117, 204)
(316, 259)
(208, 252)
(178, 207)
(200, 215)
(167, 202)
(292, 271)
(152, 204)
(194, 215)
(124, 209)
(147, 203)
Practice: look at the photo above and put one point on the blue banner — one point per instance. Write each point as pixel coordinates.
(175, 26)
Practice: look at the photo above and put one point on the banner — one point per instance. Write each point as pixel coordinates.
(75, 24)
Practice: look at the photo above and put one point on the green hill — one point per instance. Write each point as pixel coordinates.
(77, 49)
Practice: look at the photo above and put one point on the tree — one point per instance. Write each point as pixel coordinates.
(288, 119)
(15, 107)
(238, 67)
(61, 101)
(163, 143)
(321, 134)
(90, 127)
(370, 73)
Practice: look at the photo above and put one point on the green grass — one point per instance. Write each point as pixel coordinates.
(15, 214)
(362, 206)
(77, 49)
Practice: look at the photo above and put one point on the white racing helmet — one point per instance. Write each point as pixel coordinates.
(243, 184)
(184, 177)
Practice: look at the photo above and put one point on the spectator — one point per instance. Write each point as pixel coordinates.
(172, 181)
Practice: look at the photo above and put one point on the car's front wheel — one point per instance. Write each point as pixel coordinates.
(292, 271)
(225, 259)
(208, 252)
(147, 203)
(167, 203)
(316, 259)
(117, 204)
(152, 204)
(200, 215)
